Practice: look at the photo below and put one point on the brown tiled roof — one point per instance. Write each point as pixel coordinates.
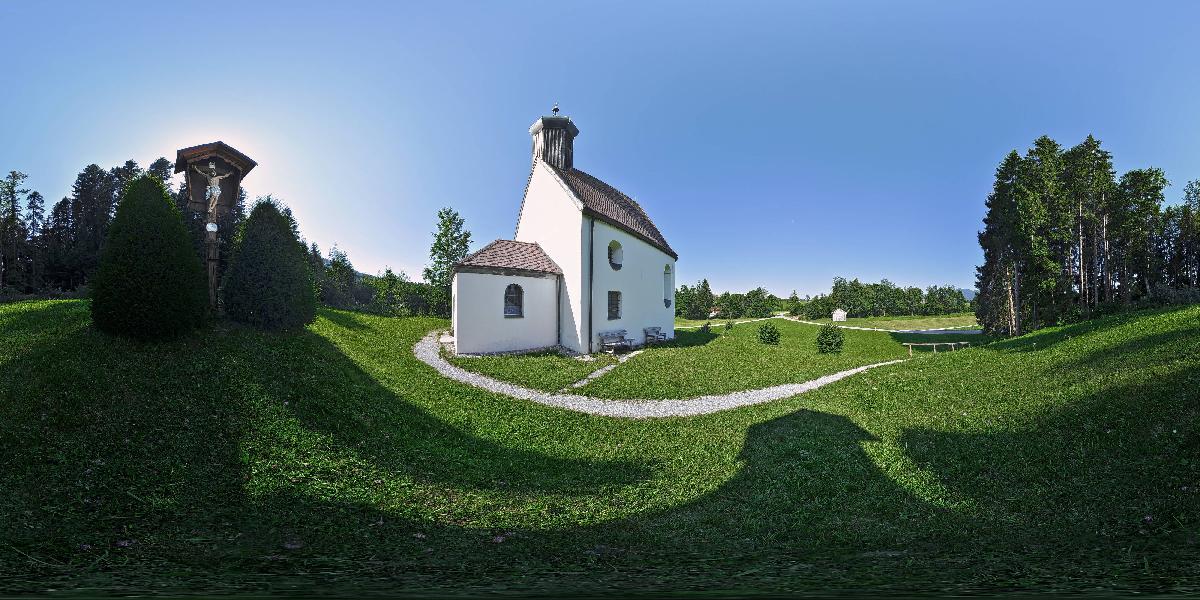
(609, 204)
(509, 255)
(186, 155)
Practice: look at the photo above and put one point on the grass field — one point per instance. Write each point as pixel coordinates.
(723, 361)
(682, 322)
(697, 363)
(235, 461)
(546, 371)
(934, 322)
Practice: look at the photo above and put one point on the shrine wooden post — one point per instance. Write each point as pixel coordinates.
(214, 173)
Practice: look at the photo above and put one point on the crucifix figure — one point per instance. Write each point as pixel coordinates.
(214, 186)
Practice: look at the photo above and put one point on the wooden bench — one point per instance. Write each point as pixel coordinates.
(611, 341)
(654, 335)
(953, 345)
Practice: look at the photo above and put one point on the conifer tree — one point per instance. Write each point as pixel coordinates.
(793, 304)
(1140, 194)
(998, 280)
(11, 226)
(316, 261)
(161, 169)
(339, 280)
(684, 297)
(269, 282)
(1089, 182)
(34, 247)
(703, 300)
(149, 284)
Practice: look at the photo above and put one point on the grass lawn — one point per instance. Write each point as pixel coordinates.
(965, 320)
(696, 363)
(547, 371)
(236, 461)
(723, 361)
(682, 322)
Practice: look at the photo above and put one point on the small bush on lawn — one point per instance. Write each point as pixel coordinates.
(150, 284)
(728, 325)
(768, 333)
(830, 339)
(706, 328)
(269, 284)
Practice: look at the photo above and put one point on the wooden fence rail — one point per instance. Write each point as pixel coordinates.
(953, 345)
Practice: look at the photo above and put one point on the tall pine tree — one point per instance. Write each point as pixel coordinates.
(33, 251)
(11, 225)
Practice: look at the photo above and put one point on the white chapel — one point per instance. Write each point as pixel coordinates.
(586, 263)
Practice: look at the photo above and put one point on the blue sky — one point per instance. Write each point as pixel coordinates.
(774, 144)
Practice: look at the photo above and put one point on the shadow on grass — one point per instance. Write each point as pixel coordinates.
(1147, 351)
(805, 487)
(1115, 468)
(1047, 338)
(236, 451)
(686, 338)
(395, 435)
(193, 463)
(29, 325)
(975, 339)
(343, 319)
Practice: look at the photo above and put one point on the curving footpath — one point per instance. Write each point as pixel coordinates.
(427, 351)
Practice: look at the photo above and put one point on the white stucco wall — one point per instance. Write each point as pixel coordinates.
(478, 313)
(640, 281)
(551, 217)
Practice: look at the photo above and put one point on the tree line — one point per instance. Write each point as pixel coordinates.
(60, 250)
(699, 302)
(58, 253)
(856, 298)
(393, 293)
(1065, 239)
(883, 299)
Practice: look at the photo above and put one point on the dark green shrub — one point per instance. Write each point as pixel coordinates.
(768, 333)
(706, 328)
(269, 283)
(728, 325)
(798, 309)
(830, 339)
(150, 284)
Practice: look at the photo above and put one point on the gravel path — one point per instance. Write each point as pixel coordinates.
(598, 373)
(427, 351)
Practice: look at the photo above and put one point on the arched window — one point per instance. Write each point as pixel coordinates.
(514, 301)
(615, 255)
(668, 287)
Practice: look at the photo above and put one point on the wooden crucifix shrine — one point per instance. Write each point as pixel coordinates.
(214, 173)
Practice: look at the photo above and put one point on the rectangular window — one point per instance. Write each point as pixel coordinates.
(514, 301)
(614, 305)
